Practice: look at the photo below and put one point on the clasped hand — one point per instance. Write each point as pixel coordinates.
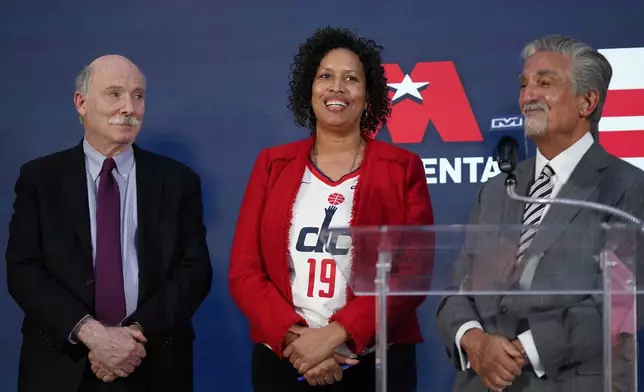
(496, 360)
(312, 352)
(114, 351)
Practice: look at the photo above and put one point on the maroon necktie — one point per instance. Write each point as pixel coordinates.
(108, 267)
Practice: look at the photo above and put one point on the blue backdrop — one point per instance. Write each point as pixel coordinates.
(217, 79)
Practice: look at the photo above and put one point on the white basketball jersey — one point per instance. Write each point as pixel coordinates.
(319, 260)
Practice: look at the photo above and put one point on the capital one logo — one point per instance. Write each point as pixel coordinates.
(431, 93)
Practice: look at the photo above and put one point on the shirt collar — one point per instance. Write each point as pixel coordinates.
(124, 161)
(564, 163)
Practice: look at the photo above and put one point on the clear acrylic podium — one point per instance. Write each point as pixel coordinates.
(575, 285)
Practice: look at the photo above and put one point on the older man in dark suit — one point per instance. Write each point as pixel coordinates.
(107, 253)
(544, 343)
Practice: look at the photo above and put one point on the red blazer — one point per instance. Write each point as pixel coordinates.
(391, 190)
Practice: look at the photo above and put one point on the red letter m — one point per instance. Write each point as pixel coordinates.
(444, 103)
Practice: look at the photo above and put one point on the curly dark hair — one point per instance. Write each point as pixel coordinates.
(305, 67)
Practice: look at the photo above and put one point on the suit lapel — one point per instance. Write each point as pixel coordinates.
(362, 192)
(582, 185)
(513, 210)
(284, 191)
(74, 186)
(149, 194)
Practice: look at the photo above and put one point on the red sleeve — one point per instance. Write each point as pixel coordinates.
(358, 317)
(256, 296)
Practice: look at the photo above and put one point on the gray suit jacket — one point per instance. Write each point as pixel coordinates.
(567, 329)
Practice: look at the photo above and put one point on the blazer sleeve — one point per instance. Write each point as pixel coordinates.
(255, 295)
(38, 293)
(358, 317)
(453, 311)
(180, 296)
(575, 334)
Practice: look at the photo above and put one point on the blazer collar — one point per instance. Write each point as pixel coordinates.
(583, 184)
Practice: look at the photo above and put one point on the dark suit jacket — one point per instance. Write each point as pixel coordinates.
(50, 270)
(567, 329)
(391, 190)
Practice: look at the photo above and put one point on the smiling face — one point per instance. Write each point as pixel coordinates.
(339, 91)
(547, 98)
(113, 108)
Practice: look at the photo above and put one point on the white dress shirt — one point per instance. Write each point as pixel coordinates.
(563, 166)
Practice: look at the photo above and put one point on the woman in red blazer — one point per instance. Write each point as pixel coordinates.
(287, 274)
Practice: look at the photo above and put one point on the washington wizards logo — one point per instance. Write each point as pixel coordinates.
(325, 242)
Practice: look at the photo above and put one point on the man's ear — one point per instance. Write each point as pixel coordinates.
(588, 102)
(81, 105)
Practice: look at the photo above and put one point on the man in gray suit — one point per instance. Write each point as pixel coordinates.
(554, 342)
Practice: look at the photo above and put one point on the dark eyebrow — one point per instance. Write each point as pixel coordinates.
(547, 73)
(544, 72)
(329, 69)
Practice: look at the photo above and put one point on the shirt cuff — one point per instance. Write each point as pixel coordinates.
(73, 336)
(465, 364)
(134, 324)
(527, 341)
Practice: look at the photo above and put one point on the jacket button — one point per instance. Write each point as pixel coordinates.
(89, 282)
(503, 309)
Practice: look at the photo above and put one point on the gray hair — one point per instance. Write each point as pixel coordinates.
(83, 80)
(590, 70)
(83, 83)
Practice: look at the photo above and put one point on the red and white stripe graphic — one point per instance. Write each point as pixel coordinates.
(622, 125)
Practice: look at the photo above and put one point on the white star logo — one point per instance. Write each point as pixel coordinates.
(407, 87)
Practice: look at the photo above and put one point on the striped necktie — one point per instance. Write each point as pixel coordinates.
(542, 188)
